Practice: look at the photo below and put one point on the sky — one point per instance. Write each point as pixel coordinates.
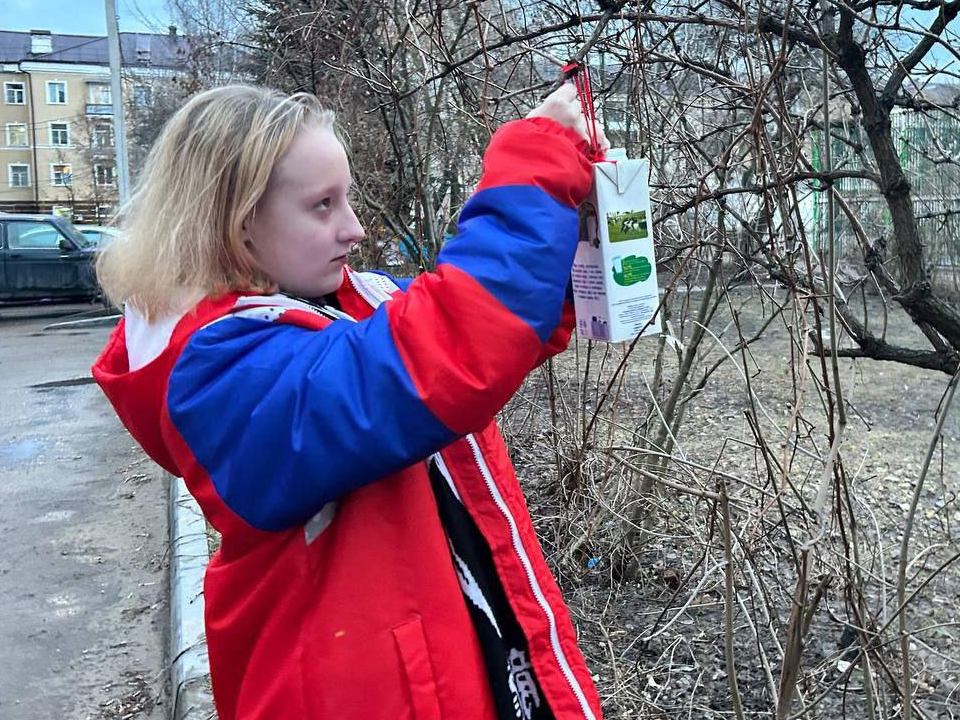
(87, 17)
(83, 17)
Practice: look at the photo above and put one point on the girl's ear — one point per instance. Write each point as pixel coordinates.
(248, 220)
(245, 229)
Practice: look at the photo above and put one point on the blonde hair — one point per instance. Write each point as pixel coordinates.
(183, 224)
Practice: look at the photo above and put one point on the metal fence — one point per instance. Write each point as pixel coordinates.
(79, 211)
(929, 148)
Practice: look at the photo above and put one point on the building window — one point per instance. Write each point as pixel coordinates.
(104, 175)
(143, 95)
(102, 136)
(56, 92)
(99, 94)
(61, 175)
(14, 93)
(17, 135)
(60, 134)
(41, 42)
(143, 49)
(19, 175)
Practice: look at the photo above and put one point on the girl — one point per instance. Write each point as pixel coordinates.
(337, 427)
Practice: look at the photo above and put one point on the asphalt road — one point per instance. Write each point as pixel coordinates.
(83, 536)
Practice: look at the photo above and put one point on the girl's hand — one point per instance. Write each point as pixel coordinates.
(563, 106)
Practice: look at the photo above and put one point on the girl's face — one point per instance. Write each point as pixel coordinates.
(303, 227)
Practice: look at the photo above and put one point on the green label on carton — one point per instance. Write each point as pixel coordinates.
(634, 269)
(630, 225)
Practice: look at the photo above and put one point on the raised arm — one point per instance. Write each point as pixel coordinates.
(285, 419)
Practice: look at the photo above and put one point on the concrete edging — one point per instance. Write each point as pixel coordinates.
(189, 667)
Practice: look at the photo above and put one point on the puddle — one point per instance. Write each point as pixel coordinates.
(18, 453)
(64, 605)
(54, 516)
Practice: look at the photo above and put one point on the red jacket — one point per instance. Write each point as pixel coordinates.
(333, 594)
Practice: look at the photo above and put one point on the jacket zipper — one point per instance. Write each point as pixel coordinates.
(531, 579)
(374, 298)
(371, 295)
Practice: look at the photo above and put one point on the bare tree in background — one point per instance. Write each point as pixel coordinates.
(742, 525)
(212, 36)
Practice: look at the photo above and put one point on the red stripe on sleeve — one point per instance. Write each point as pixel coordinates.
(466, 354)
(538, 151)
(560, 338)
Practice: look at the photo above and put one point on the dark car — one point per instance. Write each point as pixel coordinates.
(42, 256)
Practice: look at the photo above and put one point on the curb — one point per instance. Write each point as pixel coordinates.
(104, 321)
(189, 667)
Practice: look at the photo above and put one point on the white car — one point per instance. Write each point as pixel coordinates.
(98, 235)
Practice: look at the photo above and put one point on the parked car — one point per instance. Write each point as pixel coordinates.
(42, 256)
(99, 235)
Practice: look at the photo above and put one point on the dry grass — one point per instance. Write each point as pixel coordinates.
(813, 542)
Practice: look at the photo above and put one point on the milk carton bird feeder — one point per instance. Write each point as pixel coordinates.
(614, 275)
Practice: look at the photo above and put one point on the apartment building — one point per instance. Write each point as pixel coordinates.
(56, 115)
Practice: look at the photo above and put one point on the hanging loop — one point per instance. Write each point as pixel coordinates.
(580, 75)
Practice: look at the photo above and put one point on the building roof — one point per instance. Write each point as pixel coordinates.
(136, 49)
(939, 93)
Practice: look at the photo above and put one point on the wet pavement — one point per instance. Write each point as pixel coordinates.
(83, 535)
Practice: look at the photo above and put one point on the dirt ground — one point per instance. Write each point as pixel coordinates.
(655, 638)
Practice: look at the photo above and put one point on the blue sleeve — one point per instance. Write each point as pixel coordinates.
(519, 244)
(285, 419)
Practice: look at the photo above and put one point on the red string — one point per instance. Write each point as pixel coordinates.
(581, 80)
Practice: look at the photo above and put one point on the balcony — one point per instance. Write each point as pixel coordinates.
(99, 109)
